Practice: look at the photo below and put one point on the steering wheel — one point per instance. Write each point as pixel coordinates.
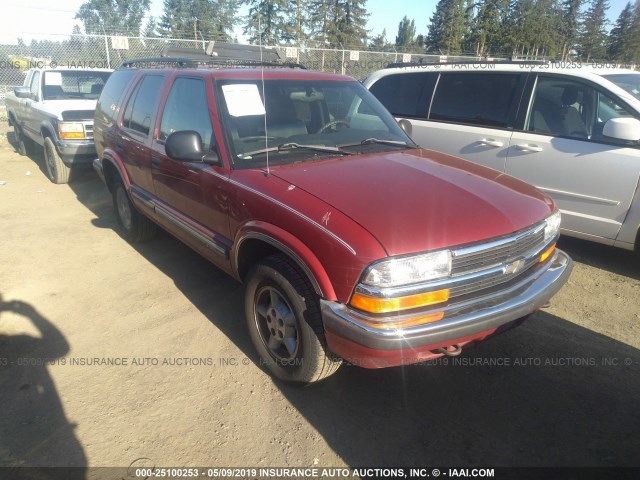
(333, 123)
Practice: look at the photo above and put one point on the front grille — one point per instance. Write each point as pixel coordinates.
(487, 264)
(88, 129)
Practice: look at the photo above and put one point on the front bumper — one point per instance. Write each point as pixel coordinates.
(76, 151)
(464, 321)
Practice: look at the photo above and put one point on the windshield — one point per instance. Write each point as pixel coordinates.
(627, 81)
(65, 84)
(305, 120)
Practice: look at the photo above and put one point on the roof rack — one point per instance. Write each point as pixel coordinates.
(216, 54)
(422, 63)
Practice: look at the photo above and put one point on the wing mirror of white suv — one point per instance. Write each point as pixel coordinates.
(627, 129)
(405, 125)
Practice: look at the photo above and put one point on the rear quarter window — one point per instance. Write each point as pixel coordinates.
(475, 99)
(107, 108)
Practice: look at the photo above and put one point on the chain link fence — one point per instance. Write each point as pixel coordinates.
(104, 51)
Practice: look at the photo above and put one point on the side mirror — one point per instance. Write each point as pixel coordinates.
(406, 127)
(22, 92)
(186, 146)
(624, 128)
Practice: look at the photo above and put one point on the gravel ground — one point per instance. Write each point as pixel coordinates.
(183, 387)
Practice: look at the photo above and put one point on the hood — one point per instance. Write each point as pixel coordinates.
(56, 107)
(418, 200)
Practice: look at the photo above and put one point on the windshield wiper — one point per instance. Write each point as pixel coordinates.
(294, 146)
(369, 141)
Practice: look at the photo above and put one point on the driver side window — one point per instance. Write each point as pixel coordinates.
(187, 109)
(562, 108)
(570, 109)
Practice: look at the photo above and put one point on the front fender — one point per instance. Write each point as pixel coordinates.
(289, 245)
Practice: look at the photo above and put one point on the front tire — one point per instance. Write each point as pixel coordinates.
(134, 226)
(283, 316)
(57, 171)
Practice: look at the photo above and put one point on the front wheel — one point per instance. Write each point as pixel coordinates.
(284, 321)
(57, 171)
(134, 226)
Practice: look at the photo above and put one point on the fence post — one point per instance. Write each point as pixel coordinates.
(342, 69)
(106, 47)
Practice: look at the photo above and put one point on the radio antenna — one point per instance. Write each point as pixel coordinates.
(264, 98)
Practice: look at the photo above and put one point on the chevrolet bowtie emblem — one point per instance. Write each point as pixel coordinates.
(514, 267)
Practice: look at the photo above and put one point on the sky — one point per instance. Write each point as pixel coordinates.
(34, 18)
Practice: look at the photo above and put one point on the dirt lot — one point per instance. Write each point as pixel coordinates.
(184, 387)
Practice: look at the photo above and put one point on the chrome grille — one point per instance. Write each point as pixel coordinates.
(88, 129)
(486, 263)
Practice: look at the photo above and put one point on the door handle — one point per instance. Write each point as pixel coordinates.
(528, 148)
(490, 142)
(155, 161)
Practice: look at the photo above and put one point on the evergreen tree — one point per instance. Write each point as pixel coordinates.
(634, 35)
(112, 16)
(339, 23)
(213, 19)
(446, 30)
(268, 22)
(489, 27)
(534, 28)
(379, 42)
(570, 17)
(593, 34)
(406, 38)
(150, 28)
(619, 47)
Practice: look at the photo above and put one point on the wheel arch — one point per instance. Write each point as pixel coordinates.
(47, 130)
(112, 169)
(259, 240)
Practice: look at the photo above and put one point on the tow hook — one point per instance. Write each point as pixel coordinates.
(546, 305)
(450, 350)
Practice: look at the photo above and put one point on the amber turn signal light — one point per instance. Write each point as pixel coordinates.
(386, 305)
(547, 253)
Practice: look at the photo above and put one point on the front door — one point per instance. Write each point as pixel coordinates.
(192, 196)
(563, 152)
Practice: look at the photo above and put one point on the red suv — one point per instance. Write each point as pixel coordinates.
(353, 242)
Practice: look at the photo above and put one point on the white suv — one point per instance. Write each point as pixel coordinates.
(572, 132)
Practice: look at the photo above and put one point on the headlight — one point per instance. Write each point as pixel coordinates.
(409, 270)
(552, 229)
(71, 130)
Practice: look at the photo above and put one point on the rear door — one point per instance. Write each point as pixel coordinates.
(562, 151)
(132, 141)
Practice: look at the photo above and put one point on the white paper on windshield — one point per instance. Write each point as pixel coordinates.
(243, 99)
(53, 78)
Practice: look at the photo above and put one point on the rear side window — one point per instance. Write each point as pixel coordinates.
(107, 109)
(137, 115)
(475, 99)
(407, 94)
(187, 109)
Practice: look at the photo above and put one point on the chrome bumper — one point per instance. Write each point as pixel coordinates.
(76, 151)
(461, 319)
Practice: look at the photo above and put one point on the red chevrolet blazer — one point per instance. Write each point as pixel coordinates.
(354, 243)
